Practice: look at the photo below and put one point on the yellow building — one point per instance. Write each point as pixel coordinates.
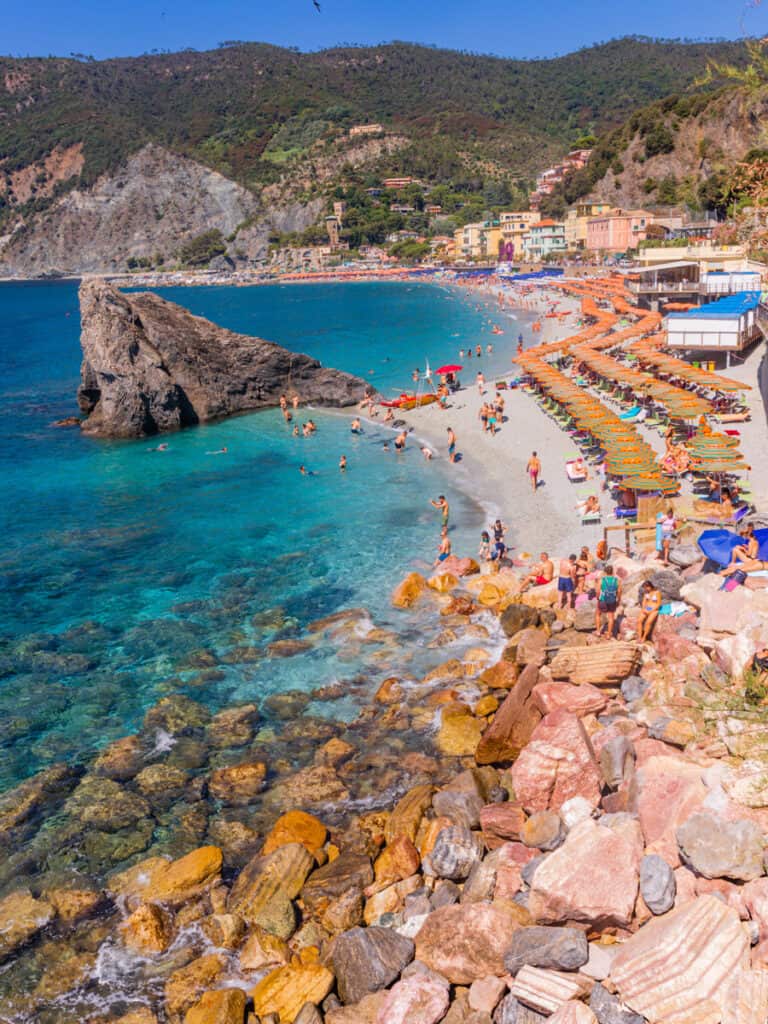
(576, 223)
(514, 231)
(478, 241)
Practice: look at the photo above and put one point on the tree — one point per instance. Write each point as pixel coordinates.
(199, 251)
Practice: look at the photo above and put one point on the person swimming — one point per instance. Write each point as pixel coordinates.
(355, 426)
(160, 448)
(343, 462)
(219, 451)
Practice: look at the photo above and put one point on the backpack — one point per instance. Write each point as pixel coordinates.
(609, 589)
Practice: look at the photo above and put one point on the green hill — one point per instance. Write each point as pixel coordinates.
(247, 109)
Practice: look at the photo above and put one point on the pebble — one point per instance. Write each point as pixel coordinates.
(657, 884)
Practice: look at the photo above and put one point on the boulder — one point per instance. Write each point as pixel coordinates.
(409, 590)
(150, 366)
(579, 700)
(600, 664)
(467, 941)
(148, 930)
(421, 998)
(716, 848)
(21, 917)
(500, 823)
(185, 986)
(174, 882)
(501, 676)
(610, 1010)
(296, 827)
(455, 853)
(485, 993)
(557, 764)
(347, 871)
(407, 813)
(263, 890)
(593, 877)
(459, 732)
(518, 616)
(365, 960)
(514, 722)
(544, 990)
(657, 884)
(287, 989)
(397, 860)
(665, 792)
(262, 950)
(573, 1012)
(678, 967)
(223, 1006)
(239, 784)
(543, 830)
(530, 646)
(561, 949)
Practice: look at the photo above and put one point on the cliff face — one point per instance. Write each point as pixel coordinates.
(154, 203)
(150, 366)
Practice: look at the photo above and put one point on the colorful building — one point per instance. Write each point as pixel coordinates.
(514, 231)
(617, 230)
(480, 240)
(545, 237)
(576, 220)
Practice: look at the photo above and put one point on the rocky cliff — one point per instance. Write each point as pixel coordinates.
(150, 366)
(154, 203)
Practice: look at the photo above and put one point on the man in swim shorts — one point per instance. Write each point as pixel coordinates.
(566, 581)
(451, 445)
(540, 574)
(443, 506)
(534, 469)
(445, 546)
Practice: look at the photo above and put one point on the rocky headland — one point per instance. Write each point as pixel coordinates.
(573, 831)
(150, 366)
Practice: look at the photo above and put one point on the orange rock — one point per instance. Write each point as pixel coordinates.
(442, 697)
(390, 691)
(148, 930)
(452, 669)
(390, 900)
(285, 990)
(72, 904)
(459, 732)
(334, 752)
(296, 827)
(397, 861)
(443, 583)
(408, 812)
(238, 784)
(226, 1006)
(262, 949)
(225, 931)
(185, 986)
(408, 591)
(486, 706)
(501, 676)
(159, 880)
(429, 837)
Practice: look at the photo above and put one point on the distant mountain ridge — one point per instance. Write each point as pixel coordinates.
(275, 123)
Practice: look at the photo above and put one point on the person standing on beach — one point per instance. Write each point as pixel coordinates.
(481, 382)
(566, 581)
(445, 546)
(451, 445)
(534, 470)
(609, 595)
(443, 506)
(400, 441)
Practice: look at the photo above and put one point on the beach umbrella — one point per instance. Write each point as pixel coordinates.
(451, 368)
(719, 465)
(719, 544)
(652, 483)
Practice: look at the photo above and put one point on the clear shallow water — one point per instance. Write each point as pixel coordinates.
(123, 571)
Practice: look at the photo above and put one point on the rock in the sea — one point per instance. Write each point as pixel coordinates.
(558, 763)
(467, 941)
(148, 930)
(420, 998)
(186, 985)
(367, 959)
(514, 722)
(593, 877)
(264, 889)
(21, 917)
(722, 849)
(678, 967)
(409, 590)
(150, 366)
(657, 884)
(285, 990)
(459, 732)
(296, 827)
(263, 950)
(239, 784)
(174, 882)
(561, 949)
(455, 853)
(223, 1006)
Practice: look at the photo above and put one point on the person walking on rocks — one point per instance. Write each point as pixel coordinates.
(534, 470)
(566, 581)
(608, 597)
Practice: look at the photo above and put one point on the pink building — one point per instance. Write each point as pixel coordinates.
(618, 230)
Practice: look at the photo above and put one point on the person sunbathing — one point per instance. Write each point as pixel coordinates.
(650, 603)
(589, 507)
(723, 510)
(747, 566)
(744, 554)
(541, 573)
(579, 467)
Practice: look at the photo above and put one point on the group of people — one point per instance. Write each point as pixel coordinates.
(478, 351)
(491, 414)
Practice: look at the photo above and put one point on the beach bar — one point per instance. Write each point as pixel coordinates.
(725, 325)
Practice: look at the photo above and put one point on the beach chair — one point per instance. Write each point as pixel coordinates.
(574, 475)
(591, 518)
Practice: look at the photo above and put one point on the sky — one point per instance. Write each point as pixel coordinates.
(509, 28)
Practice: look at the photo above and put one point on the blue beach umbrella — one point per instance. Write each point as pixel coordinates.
(718, 544)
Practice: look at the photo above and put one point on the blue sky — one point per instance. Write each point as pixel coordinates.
(505, 27)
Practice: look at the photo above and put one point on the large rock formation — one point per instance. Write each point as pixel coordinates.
(150, 366)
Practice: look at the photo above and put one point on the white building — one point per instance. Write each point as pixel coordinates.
(726, 325)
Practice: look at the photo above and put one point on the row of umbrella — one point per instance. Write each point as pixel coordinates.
(648, 353)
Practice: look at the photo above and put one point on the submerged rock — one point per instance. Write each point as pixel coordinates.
(150, 366)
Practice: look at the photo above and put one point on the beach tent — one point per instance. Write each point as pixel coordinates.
(718, 544)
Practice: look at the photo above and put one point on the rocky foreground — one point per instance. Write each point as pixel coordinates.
(582, 840)
(150, 366)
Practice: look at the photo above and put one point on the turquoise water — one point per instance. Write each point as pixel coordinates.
(122, 569)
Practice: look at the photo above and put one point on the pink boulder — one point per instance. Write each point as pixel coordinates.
(573, 1012)
(417, 999)
(580, 700)
(665, 792)
(593, 877)
(557, 764)
(466, 941)
(508, 862)
(754, 897)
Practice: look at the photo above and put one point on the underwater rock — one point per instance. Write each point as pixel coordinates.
(147, 930)
(21, 917)
(233, 726)
(176, 715)
(239, 784)
(185, 986)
